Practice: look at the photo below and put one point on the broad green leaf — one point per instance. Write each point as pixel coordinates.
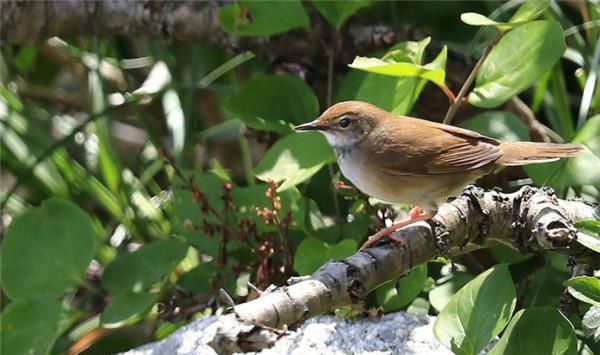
(537, 331)
(274, 103)
(475, 19)
(126, 307)
(395, 94)
(585, 289)
(294, 159)
(419, 305)
(25, 58)
(396, 295)
(31, 326)
(447, 287)
(389, 93)
(589, 234)
(198, 280)
(498, 124)
(579, 170)
(312, 253)
(546, 283)
(521, 57)
(401, 69)
(262, 18)
(478, 312)
(143, 268)
(47, 250)
(591, 323)
(337, 12)
(529, 10)
(589, 241)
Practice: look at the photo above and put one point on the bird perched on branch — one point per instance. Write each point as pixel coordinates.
(409, 160)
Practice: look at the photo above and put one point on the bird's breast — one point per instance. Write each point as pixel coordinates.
(426, 191)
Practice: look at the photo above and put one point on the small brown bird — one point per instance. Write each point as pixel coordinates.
(409, 160)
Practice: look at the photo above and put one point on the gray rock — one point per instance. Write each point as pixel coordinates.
(395, 333)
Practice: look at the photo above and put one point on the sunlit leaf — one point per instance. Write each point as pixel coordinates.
(294, 159)
(537, 331)
(501, 125)
(585, 289)
(521, 57)
(478, 312)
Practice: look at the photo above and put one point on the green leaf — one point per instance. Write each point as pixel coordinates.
(126, 307)
(591, 323)
(31, 326)
(337, 12)
(274, 103)
(395, 94)
(312, 253)
(521, 57)
(530, 10)
(478, 312)
(447, 287)
(537, 331)
(262, 18)
(577, 171)
(26, 57)
(294, 159)
(47, 250)
(143, 268)
(526, 12)
(396, 295)
(401, 69)
(475, 19)
(501, 125)
(198, 280)
(589, 234)
(585, 289)
(589, 241)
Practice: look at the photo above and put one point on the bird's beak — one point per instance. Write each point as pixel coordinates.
(310, 126)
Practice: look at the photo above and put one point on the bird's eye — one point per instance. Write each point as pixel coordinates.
(344, 122)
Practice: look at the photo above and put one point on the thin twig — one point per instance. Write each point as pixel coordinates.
(467, 85)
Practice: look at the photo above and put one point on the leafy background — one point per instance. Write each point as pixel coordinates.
(138, 180)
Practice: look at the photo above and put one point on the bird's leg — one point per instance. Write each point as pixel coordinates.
(415, 215)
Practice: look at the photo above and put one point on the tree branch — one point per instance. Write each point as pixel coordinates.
(529, 220)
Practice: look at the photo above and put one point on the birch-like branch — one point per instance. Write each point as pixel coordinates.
(529, 220)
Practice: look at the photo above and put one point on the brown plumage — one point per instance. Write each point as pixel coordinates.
(409, 160)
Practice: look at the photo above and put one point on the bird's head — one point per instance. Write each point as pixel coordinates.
(346, 123)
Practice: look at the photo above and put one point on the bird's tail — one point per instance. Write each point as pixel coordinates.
(523, 153)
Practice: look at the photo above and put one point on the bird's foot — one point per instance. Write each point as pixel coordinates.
(415, 215)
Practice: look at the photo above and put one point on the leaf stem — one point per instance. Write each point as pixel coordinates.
(467, 84)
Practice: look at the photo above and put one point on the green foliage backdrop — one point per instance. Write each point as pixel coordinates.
(140, 177)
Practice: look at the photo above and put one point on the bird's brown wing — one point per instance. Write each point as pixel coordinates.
(432, 148)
